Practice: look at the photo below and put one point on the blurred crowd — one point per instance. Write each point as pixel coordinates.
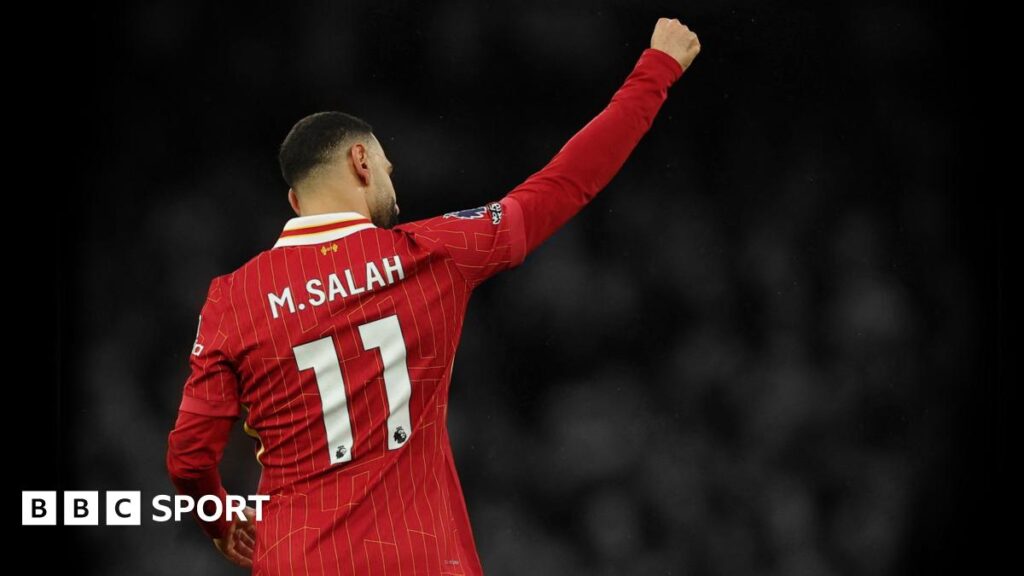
(734, 361)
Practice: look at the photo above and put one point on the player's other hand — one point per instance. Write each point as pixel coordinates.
(676, 40)
(237, 545)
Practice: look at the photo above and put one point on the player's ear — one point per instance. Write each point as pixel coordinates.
(360, 162)
(293, 199)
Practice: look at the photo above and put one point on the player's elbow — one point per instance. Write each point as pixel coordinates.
(195, 444)
(185, 459)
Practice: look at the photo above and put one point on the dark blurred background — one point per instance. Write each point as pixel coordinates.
(762, 349)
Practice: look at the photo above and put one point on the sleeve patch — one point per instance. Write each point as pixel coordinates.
(468, 214)
(493, 208)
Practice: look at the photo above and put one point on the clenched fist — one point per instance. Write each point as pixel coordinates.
(676, 40)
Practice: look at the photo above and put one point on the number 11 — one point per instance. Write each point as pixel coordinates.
(322, 357)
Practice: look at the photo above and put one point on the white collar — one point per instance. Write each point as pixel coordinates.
(317, 228)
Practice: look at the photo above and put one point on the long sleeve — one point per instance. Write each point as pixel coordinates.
(194, 450)
(589, 160)
(209, 407)
(498, 235)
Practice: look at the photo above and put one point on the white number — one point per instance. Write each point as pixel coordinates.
(321, 356)
(386, 334)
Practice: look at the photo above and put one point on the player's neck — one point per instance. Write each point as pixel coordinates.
(315, 206)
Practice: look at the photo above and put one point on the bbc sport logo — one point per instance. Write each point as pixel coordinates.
(124, 507)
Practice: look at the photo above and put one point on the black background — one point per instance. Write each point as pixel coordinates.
(143, 162)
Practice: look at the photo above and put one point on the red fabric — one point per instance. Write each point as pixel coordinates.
(299, 325)
(589, 160)
(194, 450)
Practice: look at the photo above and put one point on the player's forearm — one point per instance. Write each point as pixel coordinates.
(592, 157)
(194, 450)
(199, 486)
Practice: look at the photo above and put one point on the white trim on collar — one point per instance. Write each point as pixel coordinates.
(318, 228)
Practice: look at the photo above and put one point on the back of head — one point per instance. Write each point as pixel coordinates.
(313, 140)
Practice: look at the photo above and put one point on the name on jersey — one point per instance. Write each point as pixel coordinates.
(320, 291)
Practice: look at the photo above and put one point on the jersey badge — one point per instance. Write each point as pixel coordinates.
(468, 214)
(495, 208)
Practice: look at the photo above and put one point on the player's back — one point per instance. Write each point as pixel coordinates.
(339, 341)
(333, 335)
(343, 337)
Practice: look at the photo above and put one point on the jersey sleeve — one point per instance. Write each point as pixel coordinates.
(593, 156)
(195, 447)
(212, 387)
(482, 241)
(500, 234)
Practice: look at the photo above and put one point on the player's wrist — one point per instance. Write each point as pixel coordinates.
(218, 529)
(665, 59)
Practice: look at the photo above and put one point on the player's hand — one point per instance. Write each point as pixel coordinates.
(676, 40)
(237, 545)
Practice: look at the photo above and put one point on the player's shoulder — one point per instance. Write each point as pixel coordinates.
(227, 286)
(227, 280)
(219, 287)
(486, 213)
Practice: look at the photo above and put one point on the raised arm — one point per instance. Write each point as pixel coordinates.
(485, 240)
(589, 160)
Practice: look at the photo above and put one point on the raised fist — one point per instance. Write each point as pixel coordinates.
(676, 40)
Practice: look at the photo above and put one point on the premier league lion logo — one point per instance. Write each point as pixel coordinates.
(469, 213)
(494, 208)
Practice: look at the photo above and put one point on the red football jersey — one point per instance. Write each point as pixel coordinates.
(336, 345)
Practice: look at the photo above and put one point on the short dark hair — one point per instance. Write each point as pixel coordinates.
(313, 139)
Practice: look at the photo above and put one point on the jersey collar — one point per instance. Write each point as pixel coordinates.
(317, 228)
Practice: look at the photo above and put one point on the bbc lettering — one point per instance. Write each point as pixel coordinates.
(124, 508)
